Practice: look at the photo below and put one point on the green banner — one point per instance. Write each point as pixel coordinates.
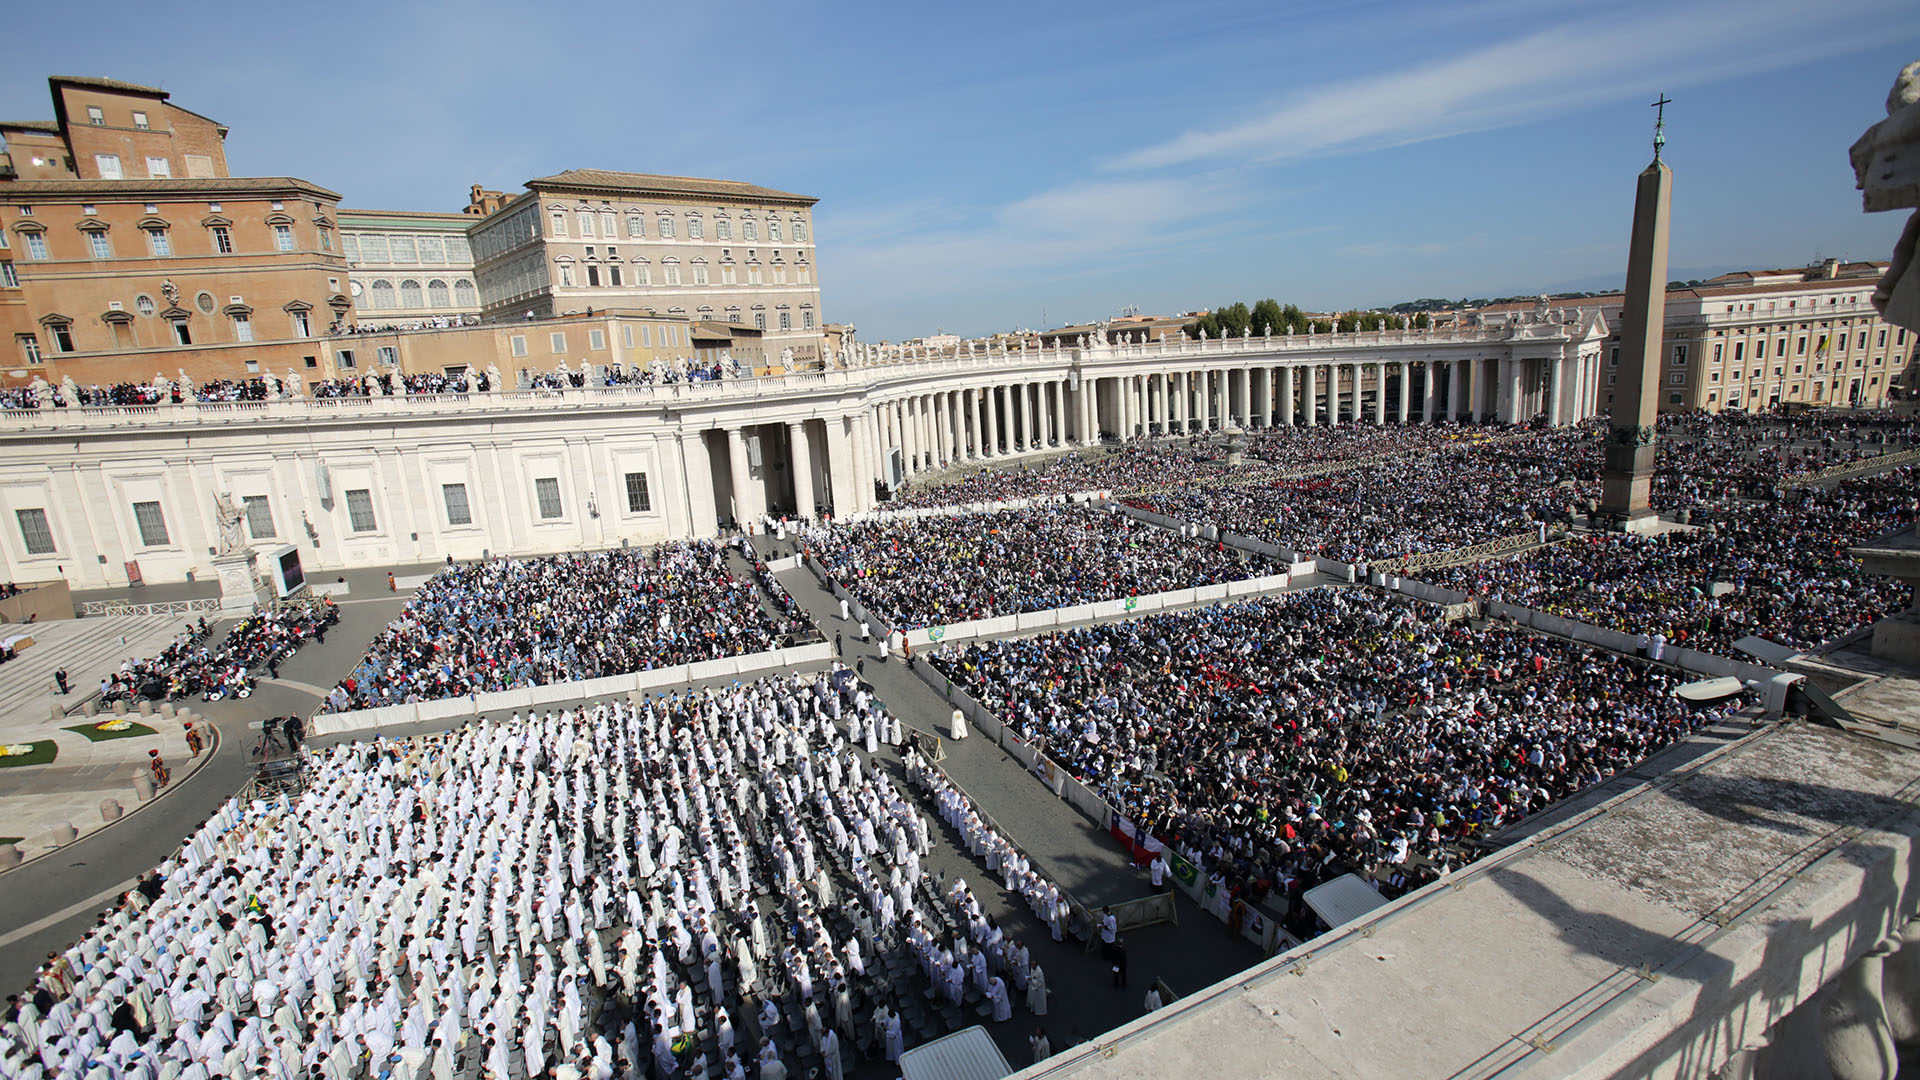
(1183, 871)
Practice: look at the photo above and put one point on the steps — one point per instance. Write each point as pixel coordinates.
(87, 648)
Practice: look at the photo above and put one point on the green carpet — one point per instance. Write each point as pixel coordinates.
(97, 735)
(43, 752)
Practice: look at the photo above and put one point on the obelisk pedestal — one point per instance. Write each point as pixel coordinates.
(1626, 479)
(240, 585)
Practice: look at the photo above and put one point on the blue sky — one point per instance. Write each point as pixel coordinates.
(987, 166)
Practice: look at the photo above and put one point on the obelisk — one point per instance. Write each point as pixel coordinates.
(1626, 479)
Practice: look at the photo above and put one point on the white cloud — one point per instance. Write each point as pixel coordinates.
(1576, 64)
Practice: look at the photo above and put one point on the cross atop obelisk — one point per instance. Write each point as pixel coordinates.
(1626, 483)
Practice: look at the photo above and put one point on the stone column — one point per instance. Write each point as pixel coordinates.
(1479, 389)
(697, 467)
(743, 511)
(1557, 391)
(992, 434)
(859, 473)
(1286, 395)
(1406, 390)
(1309, 396)
(1245, 379)
(943, 427)
(1052, 403)
(800, 455)
(1458, 395)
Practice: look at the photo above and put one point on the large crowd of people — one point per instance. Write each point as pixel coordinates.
(508, 623)
(958, 567)
(691, 886)
(1282, 741)
(1407, 504)
(1780, 571)
(188, 665)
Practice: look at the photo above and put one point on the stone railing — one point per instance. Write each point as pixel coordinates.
(1845, 469)
(1440, 560)
(878, 369)
(90, 608)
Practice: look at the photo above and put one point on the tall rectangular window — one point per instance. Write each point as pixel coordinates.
(695, 228)
(583, 220)
(519, 345)
(301, 326)
(672, 271)
(455, 496)
(547, 491)
(637, 500)
(98, 245)
(607, 224)
(242, 328)
(390, 355)
(34, 530)
(37, 251)
(786, 320)
(222, 240)
(723, 229)
(596, 340)
(1679, 354)
(626, 335)
(558, 341)
(283, 238)
(666, 228)
(151, 523)
(62, 336)
(360, 511)
(29, 347)
(8, 279)
(158, 244)
(635, 230)
(558, 223)
(259, 516)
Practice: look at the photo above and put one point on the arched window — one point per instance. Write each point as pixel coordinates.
(566, 274)
(410, 293)
(437, 293)
(382, 293)
(463, 294)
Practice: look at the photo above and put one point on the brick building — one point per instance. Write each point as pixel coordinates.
(127, 250)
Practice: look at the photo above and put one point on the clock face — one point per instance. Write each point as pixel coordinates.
(355, 286)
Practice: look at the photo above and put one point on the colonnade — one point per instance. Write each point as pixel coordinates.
(901, 435)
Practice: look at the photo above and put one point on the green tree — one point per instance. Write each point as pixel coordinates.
(1267, 318)
(1421, 322)
(1235, 318)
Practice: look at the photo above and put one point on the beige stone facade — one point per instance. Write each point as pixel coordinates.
(575, 343)
(1754, 339)
(410, 268)
(703, 250)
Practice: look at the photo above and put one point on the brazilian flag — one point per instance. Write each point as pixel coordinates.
(1183, 871)
(253, 905)
(682, 1044)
